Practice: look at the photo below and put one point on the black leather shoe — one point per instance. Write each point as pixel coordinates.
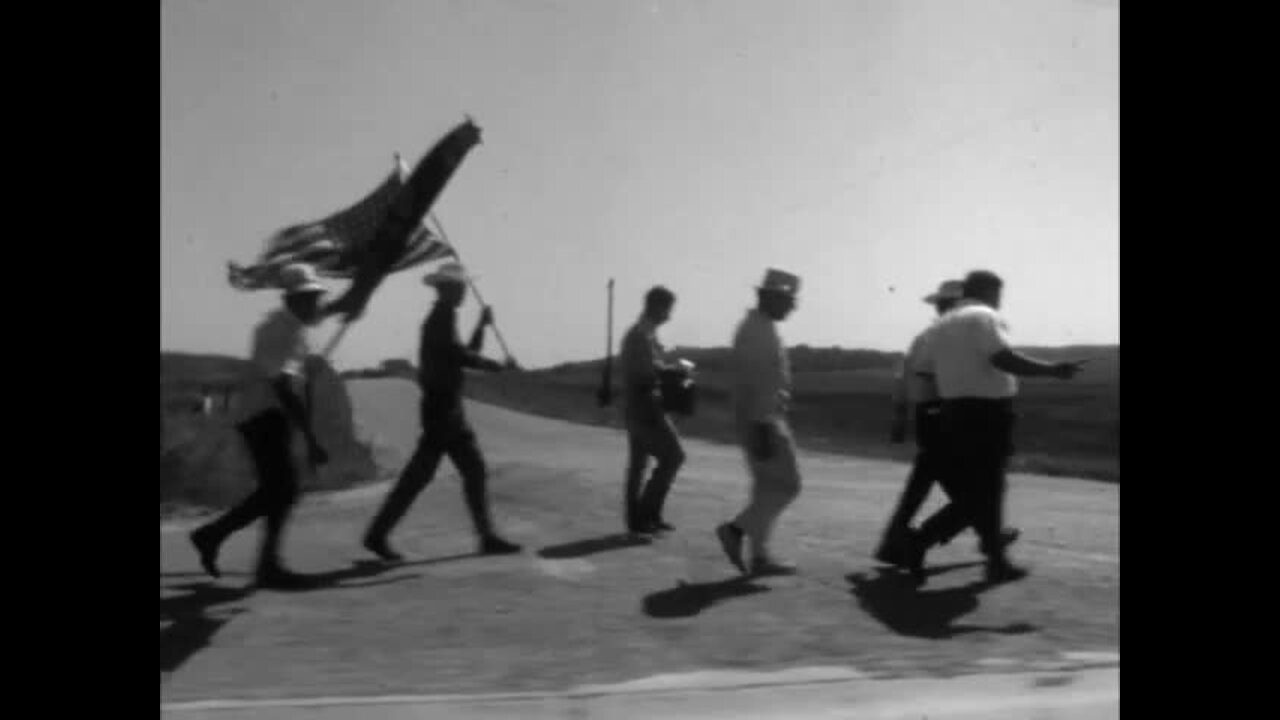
(916, 548)
(494, 545)
(730, 539)
(895, 549)
(380, 548)
(281, 579)
(207, 548)
(1003, 571)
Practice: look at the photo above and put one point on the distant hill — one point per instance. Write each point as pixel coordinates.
(834, 359)
(202, 459)
(841, 402)
(189, 367)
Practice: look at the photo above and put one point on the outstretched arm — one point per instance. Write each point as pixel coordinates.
(1015, 363)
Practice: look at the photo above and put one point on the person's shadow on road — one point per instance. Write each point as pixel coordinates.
(895, 600)
(591, 546)
(190, 619)
(689, 599)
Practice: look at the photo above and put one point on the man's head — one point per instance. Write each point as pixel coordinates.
(658, 303)
(949, 293)
(302, 291)
(450, 282)
(776, 296)
(984, 286)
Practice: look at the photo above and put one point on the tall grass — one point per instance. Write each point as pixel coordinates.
(1064, 428)
(203, 459)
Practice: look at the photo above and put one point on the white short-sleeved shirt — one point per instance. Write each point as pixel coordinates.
(762, 382)
(280, 346)
(957, 351)
(914, 387)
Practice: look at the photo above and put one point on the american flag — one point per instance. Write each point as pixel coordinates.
(339, 244)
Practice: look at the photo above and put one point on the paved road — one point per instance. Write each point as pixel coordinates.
(582, 607)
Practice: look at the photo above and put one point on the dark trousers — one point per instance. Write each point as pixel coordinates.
(926, 470)
(269, 438)
(657, 439)
(448, 434)
(977, 443)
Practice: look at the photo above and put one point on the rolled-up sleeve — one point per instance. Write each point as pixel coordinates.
(990, 333)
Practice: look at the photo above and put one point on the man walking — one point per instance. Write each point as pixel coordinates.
(762, 391)
(912, 392)
(918, 395)
(650, 432)
(445, 430)
(272, 412)
(972, 360)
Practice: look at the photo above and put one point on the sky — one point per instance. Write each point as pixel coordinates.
(872, 147)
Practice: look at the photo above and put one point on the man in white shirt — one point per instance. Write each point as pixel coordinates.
(271, 411)
(650, 433)
(972, 361)
(914, 393)
(762, 391)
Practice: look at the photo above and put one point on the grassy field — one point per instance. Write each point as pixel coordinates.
(842, 406)
(203, 461)
(1065, 428)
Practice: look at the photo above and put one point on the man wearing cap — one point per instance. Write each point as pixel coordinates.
(442, 359)
(971, 359)
(649, 431)
(762, 391)
(271, 412)
(915, 392)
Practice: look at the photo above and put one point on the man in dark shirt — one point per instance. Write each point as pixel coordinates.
(445, 430)
(650, 433)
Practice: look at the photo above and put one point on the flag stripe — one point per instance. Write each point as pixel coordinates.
(338, 244)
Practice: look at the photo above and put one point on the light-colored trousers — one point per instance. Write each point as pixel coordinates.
(775, 483)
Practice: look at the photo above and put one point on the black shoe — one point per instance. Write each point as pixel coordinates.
(494, 545)
(766, 566)
(636, 524)
(277, 578)
(913, 555)
(894, 549)
(660, 525)
(731, 542)
(1007, 537)
(1003, 571)
(380, 548)
(207, 547)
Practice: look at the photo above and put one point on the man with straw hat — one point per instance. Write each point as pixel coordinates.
(272, 410)
(971, 358)
(445, 430)
(762, 391)
(917, 394)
